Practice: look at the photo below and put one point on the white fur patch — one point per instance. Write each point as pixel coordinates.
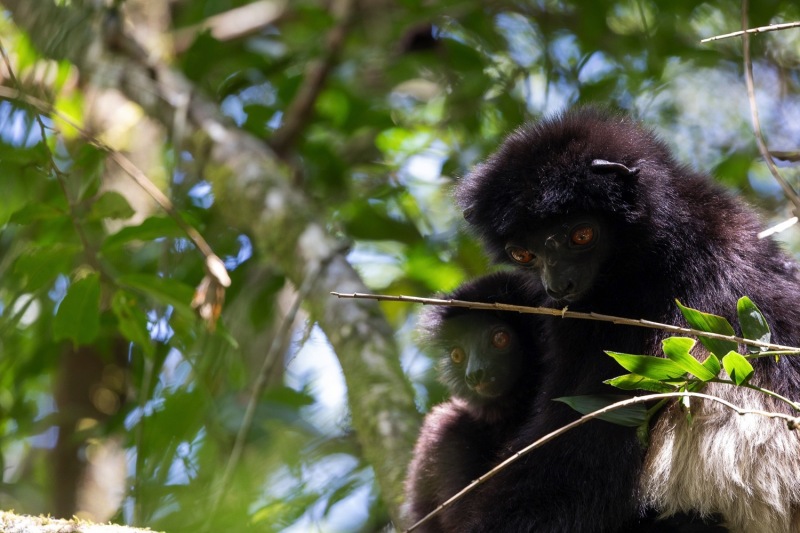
(746, 468)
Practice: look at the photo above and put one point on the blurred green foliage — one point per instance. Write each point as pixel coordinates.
(421, 91)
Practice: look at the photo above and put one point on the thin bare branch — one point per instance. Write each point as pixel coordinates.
(788, 191)
(565, 313)
(777, 228)
(785, 155)
(301, 108)
(792, 423)
(761, 29)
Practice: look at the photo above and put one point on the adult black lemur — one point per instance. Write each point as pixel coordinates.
(492, 365)
(595, 206)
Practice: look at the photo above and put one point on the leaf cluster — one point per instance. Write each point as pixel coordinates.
(684, 368)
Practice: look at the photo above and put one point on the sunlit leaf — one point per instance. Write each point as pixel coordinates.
(754, 325)
(712, 324)
(712, 364)
(648, 366)
(78, 315)
(285, 511)
(403, 141)
(427, 268)
(737, 367)
(677, 349)
(637, 382)
(629, 416)
(69, 105)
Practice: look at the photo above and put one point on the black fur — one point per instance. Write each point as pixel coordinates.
(465, 437)
(675, 235)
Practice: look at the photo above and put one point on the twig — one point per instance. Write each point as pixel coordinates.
(777, 228)
(762, 29)
(792, 423)
(565, 313)
(785, 155)
(300, 109)
(788, 191)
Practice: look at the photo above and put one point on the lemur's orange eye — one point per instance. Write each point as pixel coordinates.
(457, 355)
(500, 339)
(582, 235)
(520, 255)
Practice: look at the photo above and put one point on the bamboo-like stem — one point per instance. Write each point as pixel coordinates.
(566, 313)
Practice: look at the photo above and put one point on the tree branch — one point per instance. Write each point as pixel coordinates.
(565, 313)
(761, 29)
(299, 111)
(788, 191)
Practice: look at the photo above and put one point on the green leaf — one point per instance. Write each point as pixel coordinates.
(111, 205)
(333, 105)
(423, 266)
(695, 386)
(132, 320)
(754, 325)
(712, 364)
(637, 382)
(372, 221)
(15, 192)
(629, 416)
(648, 366)
(737, 367)
(78, 315)
(288, 397)
(712, 324)
(34, 212)
(677, 349)
(165, 291)
(150, 229)
(40, 265)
